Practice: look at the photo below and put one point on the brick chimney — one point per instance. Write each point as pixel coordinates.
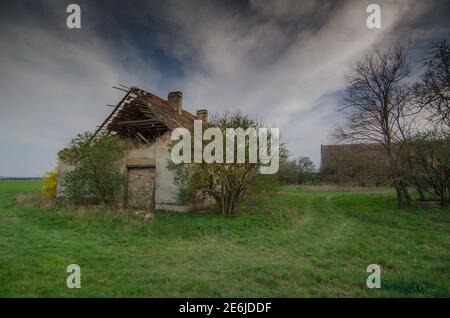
(202, 114)
(175, 100)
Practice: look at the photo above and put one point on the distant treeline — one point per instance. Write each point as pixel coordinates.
(19, 178)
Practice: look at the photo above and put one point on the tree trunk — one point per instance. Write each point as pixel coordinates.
(448, 193)
(420, 192)
(398, 191)
(406, 194)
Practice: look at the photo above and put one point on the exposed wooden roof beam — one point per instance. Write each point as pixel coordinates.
(111, 115)
(140, 121)
(142, 137)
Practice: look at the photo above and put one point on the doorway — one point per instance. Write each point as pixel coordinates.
(141, 187)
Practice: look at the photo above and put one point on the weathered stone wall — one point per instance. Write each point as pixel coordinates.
(62, 171)
(166, 191)
(158, 154)
(144, 155)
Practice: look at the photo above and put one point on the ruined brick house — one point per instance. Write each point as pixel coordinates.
(150, 119)
(354, 164)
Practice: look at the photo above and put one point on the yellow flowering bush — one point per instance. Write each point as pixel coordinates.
(49, 184)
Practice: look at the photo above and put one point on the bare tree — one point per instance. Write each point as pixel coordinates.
(375, 104)
(432, 92)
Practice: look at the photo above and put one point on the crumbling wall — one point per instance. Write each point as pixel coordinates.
(166, 191)
(62, 169)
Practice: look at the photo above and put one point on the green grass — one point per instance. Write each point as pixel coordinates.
(301, 242)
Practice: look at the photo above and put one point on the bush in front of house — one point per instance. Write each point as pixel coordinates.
(227, 183)
(96, 172)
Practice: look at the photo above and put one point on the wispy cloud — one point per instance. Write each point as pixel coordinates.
(265, 62)
(280, 60)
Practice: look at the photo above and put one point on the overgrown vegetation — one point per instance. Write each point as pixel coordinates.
(301, 171)
(428, 156)
(96, 170)
(361, 165)
(227, 183)
(311, 241)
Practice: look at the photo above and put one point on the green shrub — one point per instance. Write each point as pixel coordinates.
(301, 171)
(227, 183)
(96, 171)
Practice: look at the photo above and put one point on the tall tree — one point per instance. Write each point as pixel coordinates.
(375, 105)
(432, 91)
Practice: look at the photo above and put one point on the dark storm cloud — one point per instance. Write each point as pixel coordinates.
(281, 60)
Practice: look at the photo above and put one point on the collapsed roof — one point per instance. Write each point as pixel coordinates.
(145, 116)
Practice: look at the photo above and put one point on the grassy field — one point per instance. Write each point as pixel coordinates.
(302, 242)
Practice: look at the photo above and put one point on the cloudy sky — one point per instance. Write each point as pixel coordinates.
(283, 61)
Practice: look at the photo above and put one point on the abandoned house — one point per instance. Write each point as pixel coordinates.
(150, 119)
